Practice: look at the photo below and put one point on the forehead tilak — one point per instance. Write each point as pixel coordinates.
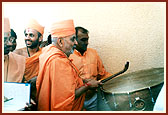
(29, 30)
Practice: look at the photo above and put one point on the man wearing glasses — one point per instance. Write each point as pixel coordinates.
(14, 65)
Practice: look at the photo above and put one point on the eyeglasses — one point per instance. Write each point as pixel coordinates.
(10, 39)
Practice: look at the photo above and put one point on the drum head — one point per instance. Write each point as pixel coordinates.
(134, 81)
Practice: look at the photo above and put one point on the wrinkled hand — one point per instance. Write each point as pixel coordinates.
(93, 84)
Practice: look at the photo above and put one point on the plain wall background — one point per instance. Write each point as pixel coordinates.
(119, 31)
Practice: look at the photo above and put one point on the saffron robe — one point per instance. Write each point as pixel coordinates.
(14, 67)
(32, 66)
(57, 81)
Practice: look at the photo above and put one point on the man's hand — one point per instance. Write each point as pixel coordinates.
(93, 84)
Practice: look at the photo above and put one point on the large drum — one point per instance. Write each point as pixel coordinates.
(131, 92)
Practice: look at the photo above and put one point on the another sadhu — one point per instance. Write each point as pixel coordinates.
(33, 37)
(14, 64)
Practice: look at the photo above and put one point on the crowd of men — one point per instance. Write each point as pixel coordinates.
(64, 73)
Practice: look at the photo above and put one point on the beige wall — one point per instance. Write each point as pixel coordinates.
(119, 31)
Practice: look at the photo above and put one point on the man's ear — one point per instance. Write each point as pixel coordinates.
(41, 38)
(60, 42)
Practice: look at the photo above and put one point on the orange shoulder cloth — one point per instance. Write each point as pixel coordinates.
(32, 66)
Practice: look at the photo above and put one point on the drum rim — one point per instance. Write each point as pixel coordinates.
(137, 89)
(101, 88)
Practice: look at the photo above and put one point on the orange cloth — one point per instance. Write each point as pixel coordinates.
(32, 65)
(14, 66)
(33, 24)
(63, 28)
(89, 64)
(57, 81)
(6, 27)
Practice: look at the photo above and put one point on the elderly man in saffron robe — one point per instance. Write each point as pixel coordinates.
(59, 88)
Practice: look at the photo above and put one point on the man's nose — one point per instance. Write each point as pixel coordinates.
(9, 43)
(27, 37)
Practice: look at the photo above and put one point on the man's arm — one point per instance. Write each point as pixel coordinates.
(91, 84)
(21, 51)
(18, 51)
(102, 73)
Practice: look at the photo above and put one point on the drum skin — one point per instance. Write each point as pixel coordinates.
(136, 91)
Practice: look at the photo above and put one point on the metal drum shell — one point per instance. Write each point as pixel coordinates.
(122, 93)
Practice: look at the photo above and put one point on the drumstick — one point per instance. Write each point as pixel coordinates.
(125, 69)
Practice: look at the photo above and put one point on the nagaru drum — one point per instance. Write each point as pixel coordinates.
(134, 91)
